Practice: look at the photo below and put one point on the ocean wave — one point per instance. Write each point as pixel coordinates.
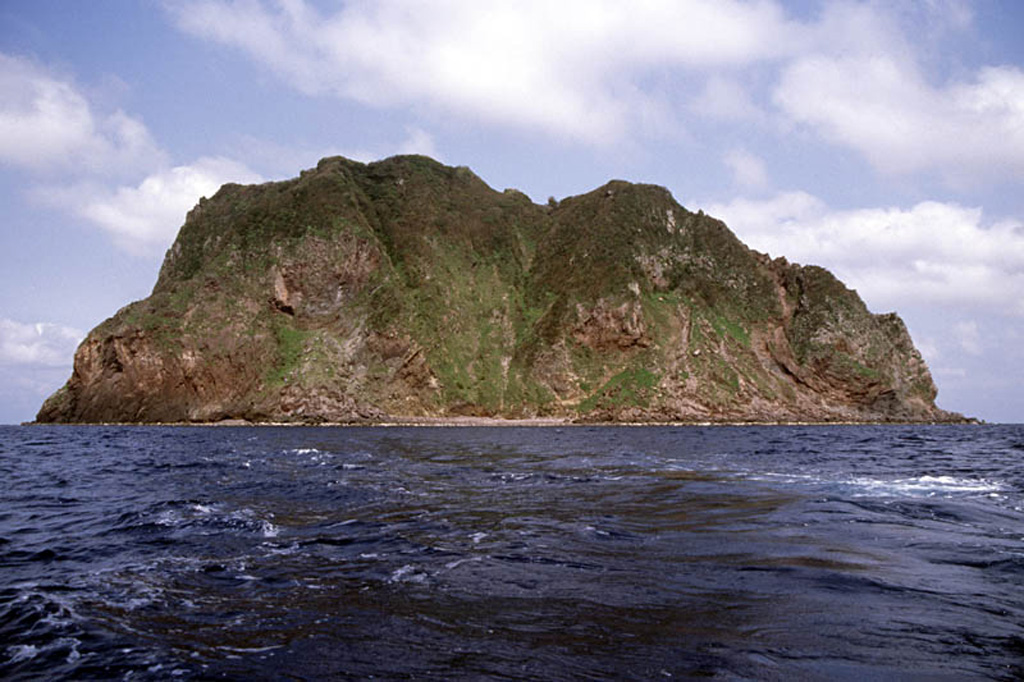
(207, 518)
(926, 485)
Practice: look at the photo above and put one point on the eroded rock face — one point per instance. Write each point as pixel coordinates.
(406, 288)
(607, 327)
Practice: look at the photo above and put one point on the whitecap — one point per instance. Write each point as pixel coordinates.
(249, 520)
(169, 518)
(458, 562)
(19, 653)
(74, 655)
(22, 652)
(869, 486)
(925, 486)
(407, 574)
(285, 550)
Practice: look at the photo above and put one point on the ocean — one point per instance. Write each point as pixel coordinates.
(553, 553)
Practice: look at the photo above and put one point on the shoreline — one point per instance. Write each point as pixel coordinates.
(499, 422)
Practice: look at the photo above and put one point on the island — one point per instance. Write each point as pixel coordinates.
(408, 291)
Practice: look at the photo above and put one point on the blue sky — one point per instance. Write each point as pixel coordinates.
(882, 140)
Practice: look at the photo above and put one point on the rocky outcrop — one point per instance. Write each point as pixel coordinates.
(404, 288)
(606, 326)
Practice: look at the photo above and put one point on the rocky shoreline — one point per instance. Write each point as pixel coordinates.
(488, 422)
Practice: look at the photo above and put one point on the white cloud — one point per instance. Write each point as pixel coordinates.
(883, 108)
(599, 71)
(418, 141)
(46, 123)
(968, 337)
(37, 345)
(930, 254)
(748, 169)
(570, 68)
(726, 99)
(144, 219)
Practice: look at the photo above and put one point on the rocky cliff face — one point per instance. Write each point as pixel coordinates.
(406, 288)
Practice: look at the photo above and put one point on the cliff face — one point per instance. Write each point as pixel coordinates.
(406, 288)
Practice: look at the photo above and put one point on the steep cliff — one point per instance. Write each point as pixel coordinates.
(405, 288)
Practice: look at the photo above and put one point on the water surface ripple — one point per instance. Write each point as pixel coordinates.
(528, 553)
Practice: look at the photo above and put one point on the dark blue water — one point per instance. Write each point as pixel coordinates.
(545, 553)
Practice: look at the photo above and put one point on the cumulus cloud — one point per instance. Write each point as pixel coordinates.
(727, 99)
(883, 108)
(597, 71)
(144, 219)
(931, 253)
(46, 123)
(37, 345)
(748, 169)
(569, 68)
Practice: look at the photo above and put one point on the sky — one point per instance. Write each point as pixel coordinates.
(882, 140)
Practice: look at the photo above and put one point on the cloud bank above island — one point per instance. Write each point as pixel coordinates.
(599, 72)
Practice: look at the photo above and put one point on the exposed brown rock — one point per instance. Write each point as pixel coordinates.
(605, 327)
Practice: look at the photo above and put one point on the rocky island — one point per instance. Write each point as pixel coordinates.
(405, 289)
